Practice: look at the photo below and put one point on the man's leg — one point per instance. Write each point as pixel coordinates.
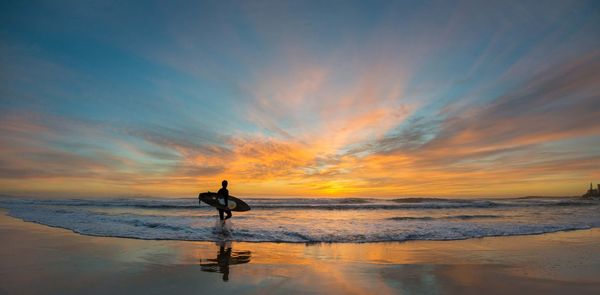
(228, 214)
(221, 213)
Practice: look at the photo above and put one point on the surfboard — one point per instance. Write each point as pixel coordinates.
(233, 203)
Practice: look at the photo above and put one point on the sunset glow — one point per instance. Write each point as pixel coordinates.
(291, 99)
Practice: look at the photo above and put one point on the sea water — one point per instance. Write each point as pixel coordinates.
(304, 220)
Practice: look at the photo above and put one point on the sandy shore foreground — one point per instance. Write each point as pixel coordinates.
(37, 259)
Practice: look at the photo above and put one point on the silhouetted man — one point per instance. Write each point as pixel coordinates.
(224, 195)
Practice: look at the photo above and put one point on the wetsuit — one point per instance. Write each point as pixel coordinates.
(224, 194)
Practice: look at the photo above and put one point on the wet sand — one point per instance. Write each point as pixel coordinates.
(37, 259)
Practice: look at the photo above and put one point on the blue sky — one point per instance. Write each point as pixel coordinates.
(366, 98)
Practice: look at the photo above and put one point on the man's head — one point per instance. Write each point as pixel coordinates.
(224, 183)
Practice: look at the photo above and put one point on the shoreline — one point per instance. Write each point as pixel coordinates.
(38, 259)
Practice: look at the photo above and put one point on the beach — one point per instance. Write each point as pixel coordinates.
(38, 259)
(300, 147)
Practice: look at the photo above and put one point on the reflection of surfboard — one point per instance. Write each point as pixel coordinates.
(228, 257)
(234, 204)
(225, 258)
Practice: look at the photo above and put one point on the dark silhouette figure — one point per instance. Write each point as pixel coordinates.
(225, 257)
(224, 194)
(223, 261)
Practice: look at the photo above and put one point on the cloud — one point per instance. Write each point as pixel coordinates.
(510, 141)
(557, 104)
(296, 99)
(37, 146)
(507, 141)
(189, 142)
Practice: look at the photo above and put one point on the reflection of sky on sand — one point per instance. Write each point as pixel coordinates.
(57, 260)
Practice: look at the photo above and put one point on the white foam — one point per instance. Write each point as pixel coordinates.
(181, 219)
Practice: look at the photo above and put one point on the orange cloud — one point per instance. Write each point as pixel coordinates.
(326, 140)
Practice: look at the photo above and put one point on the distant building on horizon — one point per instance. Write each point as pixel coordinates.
(592, 192)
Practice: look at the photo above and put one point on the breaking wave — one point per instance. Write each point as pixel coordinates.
(311, 220)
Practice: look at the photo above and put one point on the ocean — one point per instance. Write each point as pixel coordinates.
(304, 220)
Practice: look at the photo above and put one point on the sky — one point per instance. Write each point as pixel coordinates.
(299, 98)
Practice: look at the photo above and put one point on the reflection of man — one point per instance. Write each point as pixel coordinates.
(223, 261)
(223, 194)
(225, 258)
